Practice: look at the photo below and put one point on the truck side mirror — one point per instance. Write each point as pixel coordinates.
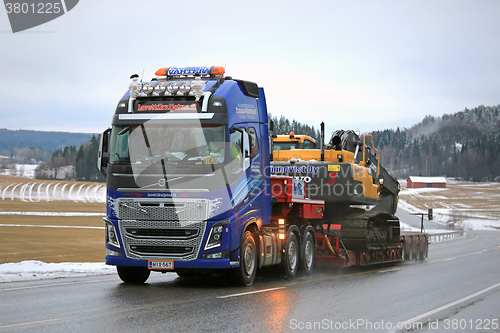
(429, 214)
(246, 145)
(246, 151)
(103, 153)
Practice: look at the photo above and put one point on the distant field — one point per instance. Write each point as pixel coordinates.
(58, 237)
(469, 205)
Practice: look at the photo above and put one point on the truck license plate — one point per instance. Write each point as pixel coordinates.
(161, 264)
(210, 160)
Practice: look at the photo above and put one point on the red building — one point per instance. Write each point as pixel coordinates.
(419, 182)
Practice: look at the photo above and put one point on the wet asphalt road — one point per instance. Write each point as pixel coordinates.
(416, 221)
(451, 286)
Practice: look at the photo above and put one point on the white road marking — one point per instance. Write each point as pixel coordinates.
(389, 270)
(56, 284)
(444, 307)
(31, 323)
(251, 292)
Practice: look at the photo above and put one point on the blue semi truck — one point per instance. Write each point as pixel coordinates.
(189, 187)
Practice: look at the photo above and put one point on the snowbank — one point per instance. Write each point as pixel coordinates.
(38, 270)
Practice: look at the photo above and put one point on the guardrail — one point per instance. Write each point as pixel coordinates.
(445, 236)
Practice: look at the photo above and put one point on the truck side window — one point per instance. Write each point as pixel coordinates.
(254, 144)
(235, 145)
(308, 144)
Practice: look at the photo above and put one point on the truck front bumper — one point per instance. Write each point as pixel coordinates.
(193, 264)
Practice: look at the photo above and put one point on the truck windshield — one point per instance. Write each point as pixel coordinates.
(286, 145)
(149, 144)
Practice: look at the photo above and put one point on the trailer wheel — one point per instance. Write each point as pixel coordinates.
(248, 260)
(424, 252)
(136, 275)
(403, 249)
(410, 249)
(307, 255)
(291, 256)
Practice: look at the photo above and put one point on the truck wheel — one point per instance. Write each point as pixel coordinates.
(248, 260)
(307, 256)
(136, 275)
(291, 256)
(417, 253)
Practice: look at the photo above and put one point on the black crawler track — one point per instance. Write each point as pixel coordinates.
(366, 230)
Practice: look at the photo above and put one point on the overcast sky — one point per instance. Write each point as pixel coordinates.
(362, 65)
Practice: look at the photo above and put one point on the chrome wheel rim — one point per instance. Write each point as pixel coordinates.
(248, 257)
(292, 256)
(308, 254)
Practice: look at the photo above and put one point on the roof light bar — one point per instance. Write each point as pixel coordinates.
(199, 70)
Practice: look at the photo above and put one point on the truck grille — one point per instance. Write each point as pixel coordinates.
(162, 233)
(176, 232)
(178, 210)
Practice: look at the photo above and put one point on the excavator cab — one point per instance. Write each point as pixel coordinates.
(292, 141)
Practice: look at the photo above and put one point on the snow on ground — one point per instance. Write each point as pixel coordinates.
(36, 191)
(38, 270)
(21, 170)
(472, 206)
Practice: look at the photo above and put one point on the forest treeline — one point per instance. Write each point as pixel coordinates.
(12, 140)
(82, 163)
(464, 145)
(283, 125)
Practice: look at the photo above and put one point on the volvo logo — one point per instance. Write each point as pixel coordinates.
(162, 182)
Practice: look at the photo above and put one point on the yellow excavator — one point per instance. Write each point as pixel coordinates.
(359, 193)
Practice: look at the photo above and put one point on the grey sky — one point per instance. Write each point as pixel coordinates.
(362, 65)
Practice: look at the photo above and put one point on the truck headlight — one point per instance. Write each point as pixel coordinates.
(147, 88)
(185, 88)
(172, 88)
(160, 88)
(215, 235)
(111, 236)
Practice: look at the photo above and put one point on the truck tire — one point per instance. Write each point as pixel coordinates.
(307, 254)
(245, 274)
(423, 249)
(135, 275)
(291, 256)
(403, 249)
(416, 257)
(410, 249)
